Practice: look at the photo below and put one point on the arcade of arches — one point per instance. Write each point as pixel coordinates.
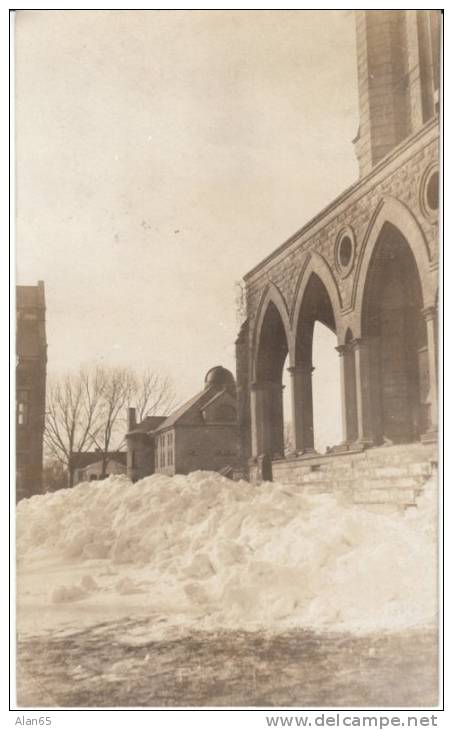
(386, 356)
(365, 267)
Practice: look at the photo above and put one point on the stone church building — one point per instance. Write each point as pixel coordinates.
(366, 267)
(31, 366)
(200, 434)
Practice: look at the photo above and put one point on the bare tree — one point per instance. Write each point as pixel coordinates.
(88, 410)
(241, 301)
(117, 388)
(153, 395)
(120, 387)
(54, 476)
(72, 413)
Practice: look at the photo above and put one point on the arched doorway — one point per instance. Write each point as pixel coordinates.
(268, 421)
(316, 307)
(394, 330)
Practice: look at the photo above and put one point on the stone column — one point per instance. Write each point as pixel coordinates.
(365, 427)
(277, 430)
(267, 418)
(257, 407)
(430, 316)
(302, 407)
(348, 393)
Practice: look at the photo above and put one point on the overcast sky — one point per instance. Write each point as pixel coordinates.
(160, 156)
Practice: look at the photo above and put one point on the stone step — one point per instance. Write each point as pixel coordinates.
(390, 475)
(390, 482)
(400, 455)
(422, 472)
(384, 496)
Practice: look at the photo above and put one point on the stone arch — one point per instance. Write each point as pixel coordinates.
(317, 300)
(316, 264)
(392, 211)
(271, 343)
(394, 288)
(271, 294)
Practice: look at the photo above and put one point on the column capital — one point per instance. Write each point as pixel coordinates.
(359, 343)
(429, 313)
(343, 349)
(303, 368)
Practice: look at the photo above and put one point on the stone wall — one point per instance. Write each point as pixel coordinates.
(396, 183)
(140, 455)
(208, 448)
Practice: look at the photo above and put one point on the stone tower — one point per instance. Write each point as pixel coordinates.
(398, 78)
(31, 364)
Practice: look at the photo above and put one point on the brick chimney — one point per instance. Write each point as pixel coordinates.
(131, 419)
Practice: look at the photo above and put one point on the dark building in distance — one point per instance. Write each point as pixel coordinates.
(201, 434)
(31, 364)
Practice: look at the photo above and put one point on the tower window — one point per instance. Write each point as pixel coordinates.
(22, 407)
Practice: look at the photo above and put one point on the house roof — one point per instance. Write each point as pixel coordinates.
(174, 417)
(218, 394)
(79, 461)
(148, 425)
(110, 460)
(199, 402)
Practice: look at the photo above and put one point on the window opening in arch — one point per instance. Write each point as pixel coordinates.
(327, 420)
(287, 410)
(272, 353)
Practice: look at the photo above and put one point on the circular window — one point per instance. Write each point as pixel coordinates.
(344, 253)
(429, 193)
(432, 191)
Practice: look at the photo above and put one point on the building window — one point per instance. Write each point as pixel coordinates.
(22, 407)
(429, 193)
(432, 191)
(170, 448)
(345, 251)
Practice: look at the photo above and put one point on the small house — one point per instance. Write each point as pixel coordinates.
(200, 434)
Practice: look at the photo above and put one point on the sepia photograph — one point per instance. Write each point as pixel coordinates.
(226, 298)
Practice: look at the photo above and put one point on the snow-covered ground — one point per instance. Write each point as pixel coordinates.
(202, 552)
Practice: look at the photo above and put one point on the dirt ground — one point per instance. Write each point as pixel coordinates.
(96, 668)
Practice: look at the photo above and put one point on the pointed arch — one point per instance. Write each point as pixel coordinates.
(271, 294)
(392, 211)
(272, 335)
(316, 264)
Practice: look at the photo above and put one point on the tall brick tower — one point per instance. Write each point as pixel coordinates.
(398, 76)
(31, 363)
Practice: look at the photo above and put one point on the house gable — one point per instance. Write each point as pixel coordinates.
(221, 409)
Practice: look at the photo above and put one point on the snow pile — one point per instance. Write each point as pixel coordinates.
(204, 548)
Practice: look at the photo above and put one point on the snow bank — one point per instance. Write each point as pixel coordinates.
(229, 554)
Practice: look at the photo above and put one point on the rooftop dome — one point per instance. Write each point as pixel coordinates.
(219, 378)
